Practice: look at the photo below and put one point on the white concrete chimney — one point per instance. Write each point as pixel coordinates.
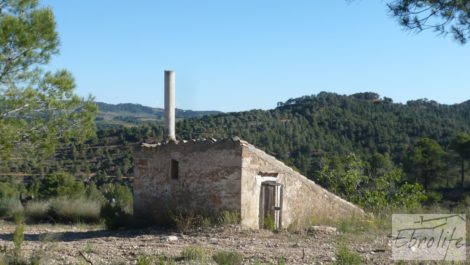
(170, 106)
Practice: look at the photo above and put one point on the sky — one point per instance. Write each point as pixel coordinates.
(251, 54)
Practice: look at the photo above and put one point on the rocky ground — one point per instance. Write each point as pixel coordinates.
(61, 244)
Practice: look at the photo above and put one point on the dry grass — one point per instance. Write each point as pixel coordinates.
(37, 211)
(76, 210)
(64, 210)
(229, 218)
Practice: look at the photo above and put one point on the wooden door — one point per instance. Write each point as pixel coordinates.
(270, 206)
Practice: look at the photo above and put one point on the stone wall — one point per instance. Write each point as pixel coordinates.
(303, 200)
(208, 179)
(225, 175)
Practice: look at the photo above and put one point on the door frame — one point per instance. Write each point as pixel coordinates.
(278, 203)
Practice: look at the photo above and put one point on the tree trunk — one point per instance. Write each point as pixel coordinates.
(426, 179)
(462, 174)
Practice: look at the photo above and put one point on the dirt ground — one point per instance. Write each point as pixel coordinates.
(79, 244)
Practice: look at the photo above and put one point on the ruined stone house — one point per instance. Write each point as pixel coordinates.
(227, 175)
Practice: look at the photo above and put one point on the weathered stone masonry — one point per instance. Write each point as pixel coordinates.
(213, 176)
(208, 178)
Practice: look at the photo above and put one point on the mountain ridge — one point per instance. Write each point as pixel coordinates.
(132, 114)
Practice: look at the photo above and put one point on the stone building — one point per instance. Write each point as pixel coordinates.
(212, 176)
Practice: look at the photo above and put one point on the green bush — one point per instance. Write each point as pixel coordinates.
(114, 217)
(9, 201)
(389, 190)
(8, 190)
(18, 236)
(194, 253)
(433, 197)
(229, 218)
(117, 211)
(164, 260)
(144, 260)
(344, 256)
(120, 196)
(228, 258)
(33, 187)
(94, 194)
(9, 207)
(60, 185)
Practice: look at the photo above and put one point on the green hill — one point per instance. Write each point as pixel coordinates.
(335, 124)
(306, 133)
(128, 114)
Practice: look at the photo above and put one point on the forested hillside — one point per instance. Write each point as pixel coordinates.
(318, 131)
(303, 130)
(323, 136)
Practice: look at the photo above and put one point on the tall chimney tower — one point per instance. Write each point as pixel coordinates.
(170, 106)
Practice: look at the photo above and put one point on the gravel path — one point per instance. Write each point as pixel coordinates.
(61, 244)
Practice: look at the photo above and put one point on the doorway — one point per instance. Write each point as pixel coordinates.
(270, 210)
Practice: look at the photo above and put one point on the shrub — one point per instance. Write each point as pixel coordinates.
(228, 258)
(194, 253)
(144, 260)
(229, 218)
(18, 236)
(9, 207)
(94, 194)
(117, 211)
(433, 197)
(206, 222)
(164, 260)
(120, 196)
(60, 185)
(7, 190)
(33, 188)
(346, 257)
(9, 202)
(114, 217)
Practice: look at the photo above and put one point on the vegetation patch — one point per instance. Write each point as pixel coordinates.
(194, 253)
(9, 207)
(185, 221)
(75, 210)
(344, 256)
(228, 258)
